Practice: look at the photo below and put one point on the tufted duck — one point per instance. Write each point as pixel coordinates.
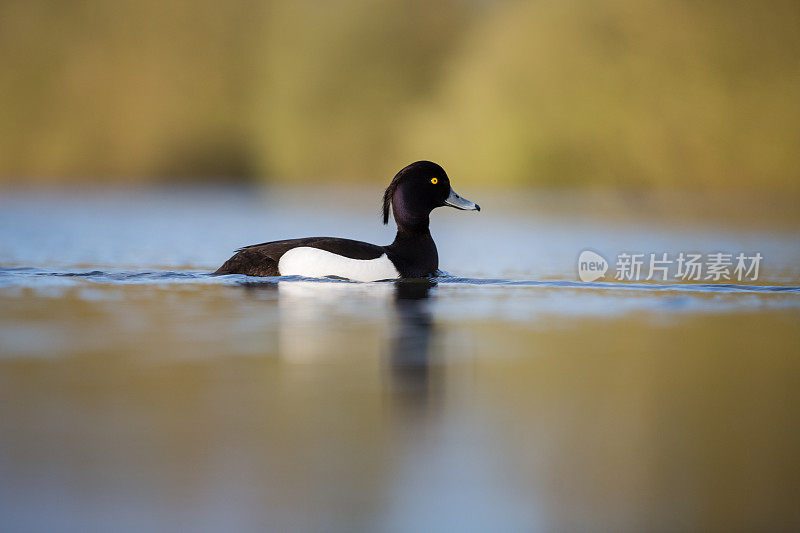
(414, 192)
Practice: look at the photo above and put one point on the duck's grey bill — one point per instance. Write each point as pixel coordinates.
(456, 201)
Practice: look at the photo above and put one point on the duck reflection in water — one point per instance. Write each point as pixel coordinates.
(318, 320)
(410, 355)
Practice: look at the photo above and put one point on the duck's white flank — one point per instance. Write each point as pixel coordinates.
(315, 263)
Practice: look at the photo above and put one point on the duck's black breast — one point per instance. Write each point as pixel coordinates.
(262, 259)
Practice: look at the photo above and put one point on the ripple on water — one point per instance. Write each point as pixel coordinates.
(10, 276)
(453, 297)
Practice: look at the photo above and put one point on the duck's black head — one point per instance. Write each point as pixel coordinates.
(417, 190)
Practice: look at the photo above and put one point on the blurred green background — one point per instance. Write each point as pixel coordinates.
(620, 93)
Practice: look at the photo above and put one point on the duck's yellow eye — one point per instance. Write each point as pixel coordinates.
(434, 180)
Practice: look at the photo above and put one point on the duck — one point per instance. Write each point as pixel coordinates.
(414, 192)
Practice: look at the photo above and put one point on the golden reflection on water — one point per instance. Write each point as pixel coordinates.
(271, 407)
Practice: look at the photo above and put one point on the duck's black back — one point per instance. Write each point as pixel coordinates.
(262, 259)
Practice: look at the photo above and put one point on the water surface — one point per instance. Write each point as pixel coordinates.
(138, 392)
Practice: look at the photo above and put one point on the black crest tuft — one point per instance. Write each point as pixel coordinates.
(387, 197)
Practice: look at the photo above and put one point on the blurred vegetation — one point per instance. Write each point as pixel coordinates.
(651, 93)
